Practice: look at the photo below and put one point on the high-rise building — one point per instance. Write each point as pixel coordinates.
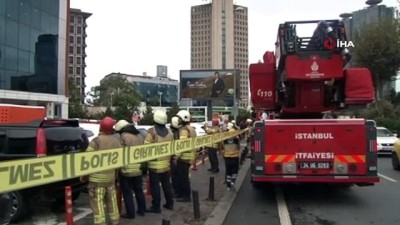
(77, 54)
(219, 40)
(33, 54)
(361, 18)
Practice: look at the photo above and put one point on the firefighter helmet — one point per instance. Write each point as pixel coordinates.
(249, 120)
(120, 124)
(184, 115)
(107, 125)
(230, 126)
(160, 117)
(175, 122)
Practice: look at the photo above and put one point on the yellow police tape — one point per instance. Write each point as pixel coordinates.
(20, 174)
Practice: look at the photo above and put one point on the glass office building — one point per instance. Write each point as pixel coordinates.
(32, 54)
(152, 89)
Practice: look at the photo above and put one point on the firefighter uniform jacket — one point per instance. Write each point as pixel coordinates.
(128, 139)
(103, 142)
(187, 132)
(213, 130)
(159, 165)
(231, 146)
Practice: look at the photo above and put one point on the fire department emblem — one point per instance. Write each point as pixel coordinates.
(314, 66)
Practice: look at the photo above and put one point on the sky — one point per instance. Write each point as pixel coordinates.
(131, 36)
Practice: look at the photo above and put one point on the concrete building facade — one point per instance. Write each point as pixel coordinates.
(33, 54)
(219, 40)
(77, 54)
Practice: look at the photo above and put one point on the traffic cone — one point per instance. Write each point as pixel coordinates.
(148, 192)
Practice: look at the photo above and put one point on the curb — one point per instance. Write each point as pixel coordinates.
(219, 213)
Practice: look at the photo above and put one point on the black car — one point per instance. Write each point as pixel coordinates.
(39, 139)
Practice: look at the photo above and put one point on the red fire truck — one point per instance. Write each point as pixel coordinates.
(299, 83)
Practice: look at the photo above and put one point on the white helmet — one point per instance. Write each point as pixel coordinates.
(249, 120)
(184, 115)
(120, 124)
(175, 123)
(230, 126)
(160, 117)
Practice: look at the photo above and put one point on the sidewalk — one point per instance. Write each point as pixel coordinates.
(183, 212)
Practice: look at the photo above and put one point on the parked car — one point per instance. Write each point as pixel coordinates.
(38, 139)
(6, 203)
(385, 140)
(92, 129)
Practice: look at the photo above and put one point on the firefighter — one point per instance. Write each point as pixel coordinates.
(101, 187)
(131, 175)
(175, 126)
(184, 160)
(159, 168)
(213, 148)
(231, 156)
(247, 138)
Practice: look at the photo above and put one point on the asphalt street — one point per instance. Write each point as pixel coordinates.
(321, 204)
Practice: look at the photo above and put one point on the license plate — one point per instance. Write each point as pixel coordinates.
(315, 165)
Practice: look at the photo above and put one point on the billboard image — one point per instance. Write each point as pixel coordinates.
(209, 84)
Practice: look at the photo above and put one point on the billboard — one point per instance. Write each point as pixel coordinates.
(209, 84)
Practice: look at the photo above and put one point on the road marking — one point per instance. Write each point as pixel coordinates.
(48, 218)
(283, 211)
(387, 178)
(84, 212)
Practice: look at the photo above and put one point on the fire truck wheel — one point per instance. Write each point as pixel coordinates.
(256, 184)
(395, 161)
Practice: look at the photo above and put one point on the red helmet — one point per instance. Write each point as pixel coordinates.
(107, 125)
(215, 122)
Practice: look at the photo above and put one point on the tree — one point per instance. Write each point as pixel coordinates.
(173, 111)
(118, 92)
(75, 107)
(147, 118)
(377, 47)
(154, 101)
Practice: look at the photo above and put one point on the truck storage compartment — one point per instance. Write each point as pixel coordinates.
(313, 67)
(315, 147)
(359, 87)
(262, 85)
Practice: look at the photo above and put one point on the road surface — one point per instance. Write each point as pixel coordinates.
(320, 205)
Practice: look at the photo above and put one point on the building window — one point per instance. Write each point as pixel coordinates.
(71, 39)
(71, 29)
(78, 81)
(79, 40)
(79, 19)
(79, 30)
(78, 60)
(71, 49)
(71, 70)
(78, 50)
(78, 71)
(72, 19)
(71, 60)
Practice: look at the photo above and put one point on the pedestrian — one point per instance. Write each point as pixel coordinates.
(247, 138)
(131, 177)
(101, 186)
(175, 125)
(184, 160)
(214, 147)
(231, 156)
(159, 168)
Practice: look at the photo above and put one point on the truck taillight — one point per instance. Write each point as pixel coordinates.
(374, 146)
(257, 146)
(41, 148)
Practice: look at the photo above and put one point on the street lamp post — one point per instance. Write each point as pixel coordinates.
(160, 93)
